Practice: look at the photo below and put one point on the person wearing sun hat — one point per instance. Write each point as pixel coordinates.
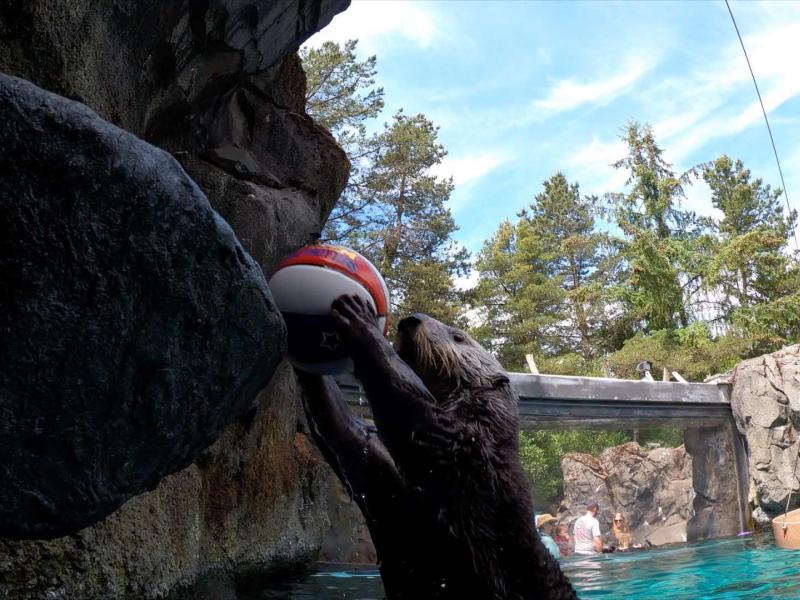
(545, 523)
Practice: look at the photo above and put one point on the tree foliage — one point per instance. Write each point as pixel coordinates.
(393, 209)
(542, 282)
(664, 246)
(520, 304)
(754, 280)
(587, 285)
(541, 453)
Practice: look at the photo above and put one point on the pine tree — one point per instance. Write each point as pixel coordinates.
(410, 238)
(341, 95)
(665, 248)
(752, 277)
(576, 257)
(393, 209)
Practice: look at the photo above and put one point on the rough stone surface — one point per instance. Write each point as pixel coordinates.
(347, 539)
(134, 326)
(214, 82)
(148, 64)
(715, 504)
(163, 70)
(766, 405)
(653, 489)
(253, 501)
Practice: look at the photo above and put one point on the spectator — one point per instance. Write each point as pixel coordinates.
(561, 539)
(621, 532)
(586, 531)
(544, 523)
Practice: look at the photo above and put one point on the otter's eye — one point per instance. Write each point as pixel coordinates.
(459, 338)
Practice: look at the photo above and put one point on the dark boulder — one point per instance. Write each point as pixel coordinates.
(133, 326)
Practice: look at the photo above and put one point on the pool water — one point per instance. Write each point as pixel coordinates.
(729, 568)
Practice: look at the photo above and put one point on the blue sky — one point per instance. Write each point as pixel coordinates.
(521, 90)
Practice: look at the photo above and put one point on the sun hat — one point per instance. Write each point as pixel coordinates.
(545, 518)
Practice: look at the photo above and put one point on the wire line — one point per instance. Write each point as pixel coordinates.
(766, 119)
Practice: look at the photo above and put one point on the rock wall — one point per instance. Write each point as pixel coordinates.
(252, 502)
(135, 327)
(715, 504)
(766, 405)
(653, 489)
(347, 538)
(217, 84)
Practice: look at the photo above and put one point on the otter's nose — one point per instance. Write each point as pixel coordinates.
(410, 323)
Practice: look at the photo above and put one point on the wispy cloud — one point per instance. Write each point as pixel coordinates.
(568, 94)
(469, 168)
(376, 23)
(556, 100)
(709, 110)
(591, 166)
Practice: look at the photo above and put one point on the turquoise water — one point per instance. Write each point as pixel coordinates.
(729, 568)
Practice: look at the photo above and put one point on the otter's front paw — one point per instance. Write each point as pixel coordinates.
(354, 316)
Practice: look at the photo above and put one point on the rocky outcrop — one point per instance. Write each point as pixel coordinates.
(135, 327)
(715, 504)
(766, 405)
(347, 538)
(253, 501)
(216, 84)
(653, 489)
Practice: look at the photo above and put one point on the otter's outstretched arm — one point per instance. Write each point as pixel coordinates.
(352, 448)
(409, 421)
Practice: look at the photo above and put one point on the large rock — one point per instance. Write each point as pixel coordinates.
(653, 489)
(135, 328)
(167, 71)
(253, 501)
(347, 538)
(766, 405)
(147, 65)
(716, 500)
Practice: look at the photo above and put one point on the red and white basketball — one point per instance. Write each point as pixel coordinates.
(304, 286)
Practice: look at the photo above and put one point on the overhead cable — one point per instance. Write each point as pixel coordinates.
(766, 119)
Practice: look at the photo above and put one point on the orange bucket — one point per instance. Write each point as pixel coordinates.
(786, 529)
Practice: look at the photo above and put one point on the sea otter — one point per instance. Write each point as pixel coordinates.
(438, 478)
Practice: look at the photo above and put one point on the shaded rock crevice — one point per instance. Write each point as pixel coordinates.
(716, 502)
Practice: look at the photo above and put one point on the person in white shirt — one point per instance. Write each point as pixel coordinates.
(586, 531)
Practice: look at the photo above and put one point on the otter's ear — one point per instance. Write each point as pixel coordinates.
(500, 380)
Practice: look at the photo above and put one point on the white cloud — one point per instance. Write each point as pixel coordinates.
(706, 108)
(698, 199)
(467, 282)
(374, 23)
(568, 93)
(599, 154)
(467, 170)
(591, 166)
(470, 167)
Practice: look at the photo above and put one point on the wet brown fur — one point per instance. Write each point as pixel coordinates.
(456, 522)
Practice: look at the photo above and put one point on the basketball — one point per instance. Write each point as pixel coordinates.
(304, 286)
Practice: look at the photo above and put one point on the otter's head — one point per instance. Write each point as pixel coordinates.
(451, 364)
